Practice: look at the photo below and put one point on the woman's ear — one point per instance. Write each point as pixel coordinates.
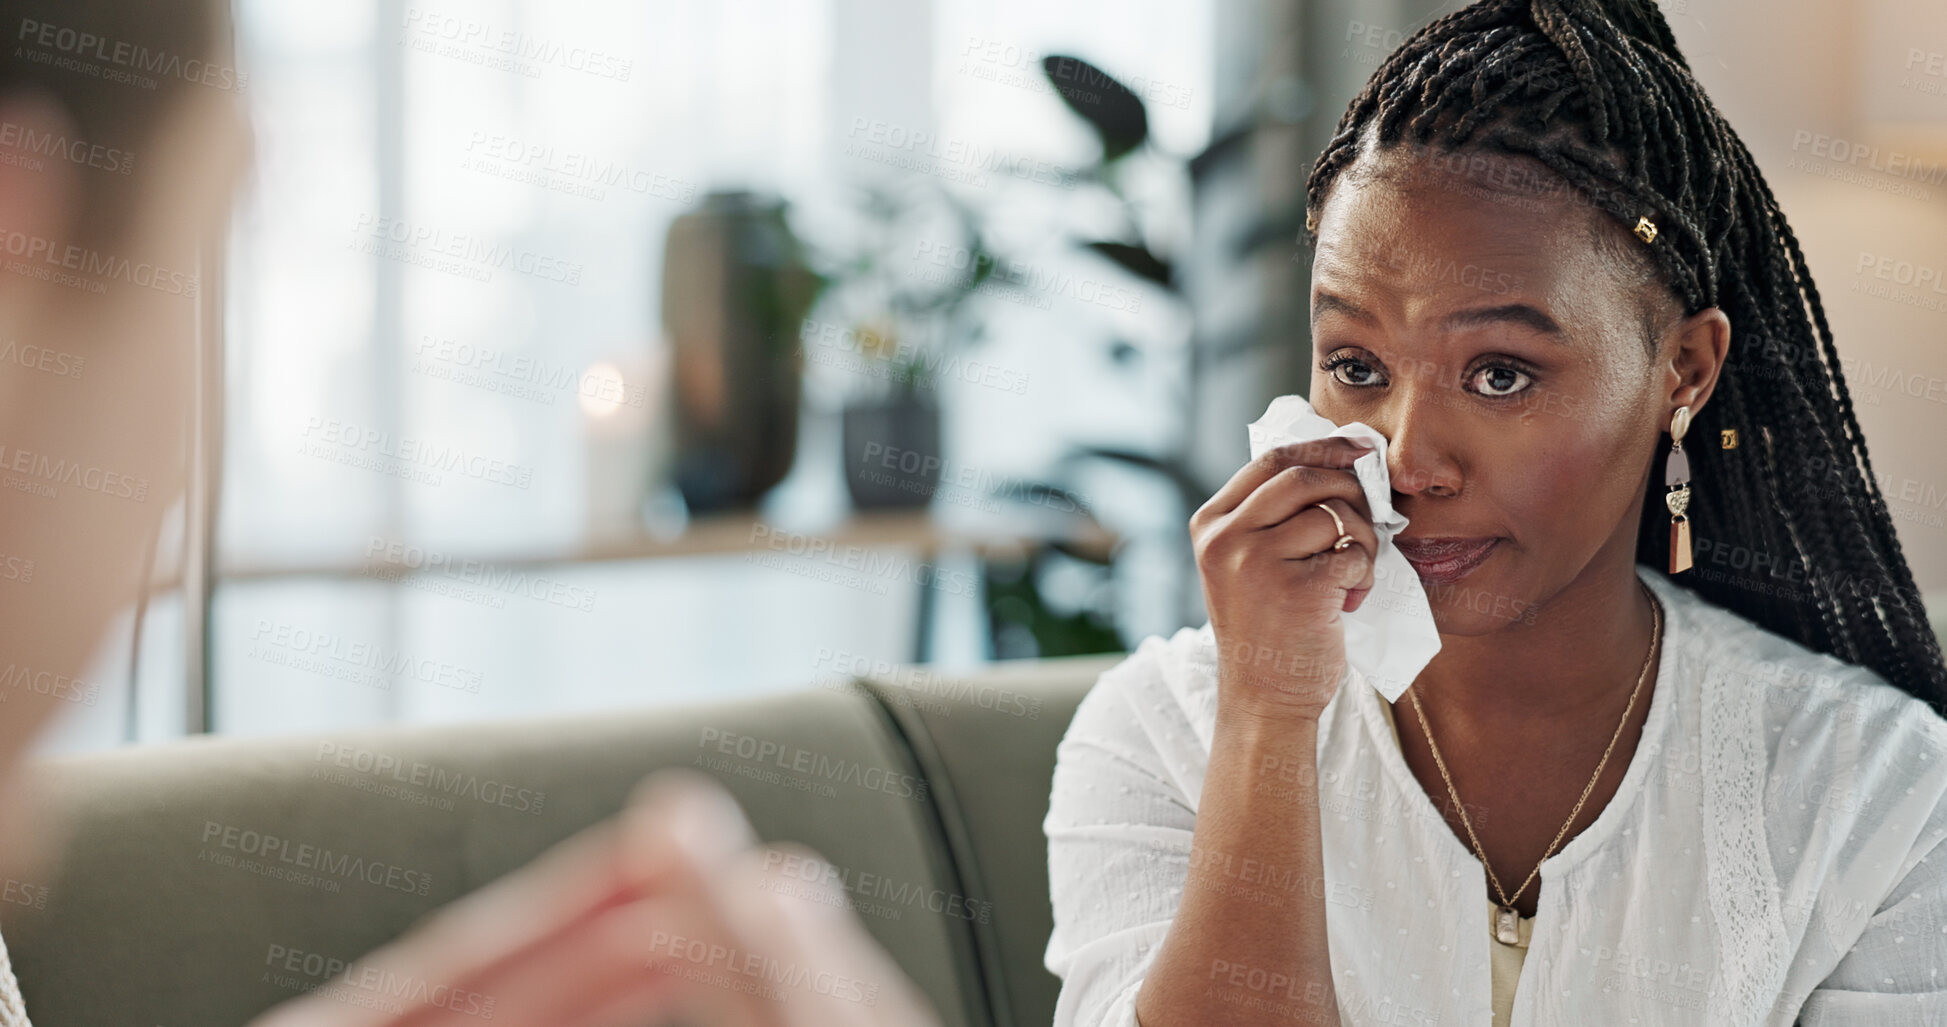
(1697, 346)
(38, 187)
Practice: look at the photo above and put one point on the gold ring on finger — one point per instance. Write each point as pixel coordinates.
(1339, 523)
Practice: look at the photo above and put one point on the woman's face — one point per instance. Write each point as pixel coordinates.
(1482, 331)
(92, 424)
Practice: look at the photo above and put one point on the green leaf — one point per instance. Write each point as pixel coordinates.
(1136, 260)
(1116, 113)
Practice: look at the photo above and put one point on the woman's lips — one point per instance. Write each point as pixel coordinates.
(1443, 561)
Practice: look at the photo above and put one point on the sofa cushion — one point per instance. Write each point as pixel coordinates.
(204, 881)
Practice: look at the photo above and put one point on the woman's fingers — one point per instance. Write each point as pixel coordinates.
(1313, 532)
(461, 945)
(676, 822)
(1309, 538)
(771, 941)
(1336, 452)
(671, 908)
(579, 976)
(1296, 489)
(792, 888)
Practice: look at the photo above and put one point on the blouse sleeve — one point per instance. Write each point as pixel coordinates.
(1119, 831)
(1896, 975)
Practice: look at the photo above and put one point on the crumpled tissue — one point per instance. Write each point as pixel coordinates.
(1391, 637)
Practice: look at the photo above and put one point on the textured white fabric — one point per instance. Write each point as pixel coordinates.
(1773, 855)
(13, 1012)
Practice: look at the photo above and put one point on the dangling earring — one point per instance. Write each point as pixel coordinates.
(1676, 476)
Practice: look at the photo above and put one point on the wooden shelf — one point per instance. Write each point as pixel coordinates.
(743, 532)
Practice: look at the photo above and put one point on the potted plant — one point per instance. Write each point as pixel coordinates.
(901, 325)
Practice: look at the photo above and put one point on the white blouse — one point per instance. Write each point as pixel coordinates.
(1771, 857)
(11, 1012)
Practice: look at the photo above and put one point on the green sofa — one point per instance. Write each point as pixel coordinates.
(200, 883)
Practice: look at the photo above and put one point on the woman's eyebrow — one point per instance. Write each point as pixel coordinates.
(1327, 302)
(1521, 314)
(1510, 313)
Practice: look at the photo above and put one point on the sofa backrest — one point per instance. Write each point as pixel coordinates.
(204, 881)
(989, 753)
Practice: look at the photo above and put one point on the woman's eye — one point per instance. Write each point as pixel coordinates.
(1352, 371)
(1500, 381)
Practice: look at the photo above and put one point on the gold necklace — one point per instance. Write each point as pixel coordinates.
(1506, 920)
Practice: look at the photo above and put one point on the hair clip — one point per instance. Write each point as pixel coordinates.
(1645, 229)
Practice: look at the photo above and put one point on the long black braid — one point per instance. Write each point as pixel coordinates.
(1597, 91)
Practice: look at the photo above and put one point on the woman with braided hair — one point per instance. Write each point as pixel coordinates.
(1549, 273)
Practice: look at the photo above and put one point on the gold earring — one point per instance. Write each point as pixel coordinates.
(1645, 229)
(1676, 477)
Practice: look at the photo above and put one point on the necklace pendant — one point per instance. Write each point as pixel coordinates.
(1507, 926)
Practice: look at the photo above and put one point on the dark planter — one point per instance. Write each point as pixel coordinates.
(892, 450)
(735, 290)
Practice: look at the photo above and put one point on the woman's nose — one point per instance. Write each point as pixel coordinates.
(1419, 452)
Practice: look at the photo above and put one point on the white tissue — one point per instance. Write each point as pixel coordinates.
(1391, 636)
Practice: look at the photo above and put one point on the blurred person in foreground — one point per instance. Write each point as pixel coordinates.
(108, 186)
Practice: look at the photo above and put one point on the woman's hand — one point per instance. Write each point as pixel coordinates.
(671, 910)
(1273, 585)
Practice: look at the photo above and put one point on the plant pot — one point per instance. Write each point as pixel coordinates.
(892, 450)
(735, 290)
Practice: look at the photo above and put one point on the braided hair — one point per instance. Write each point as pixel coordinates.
(1597, 93)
